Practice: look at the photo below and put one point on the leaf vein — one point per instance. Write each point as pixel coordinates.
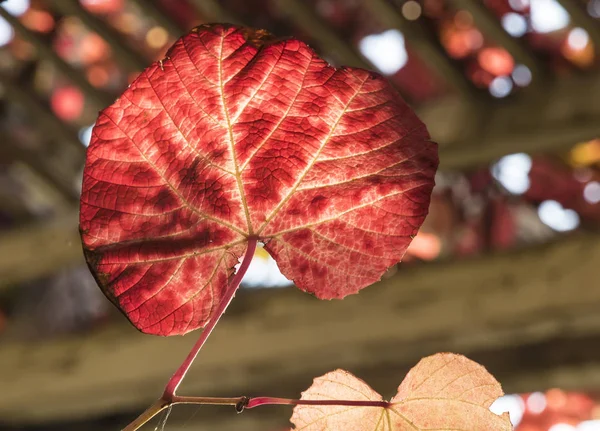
(284, 116)
(185, 139)
(183, 200)
(337, 216)
(310, 165)
(160, 289)
(231, 140)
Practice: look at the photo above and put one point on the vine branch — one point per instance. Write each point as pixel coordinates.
(176, 379)
(242, 403)
(168, 397)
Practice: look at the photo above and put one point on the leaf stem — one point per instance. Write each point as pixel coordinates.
(250, 403)
(242, 403)
(175, 381)
(168, 397)
(209, 400)
(157, 407)
(261, 401)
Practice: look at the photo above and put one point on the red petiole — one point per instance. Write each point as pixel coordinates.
(170, 398)
(176, 379)
(242, 403)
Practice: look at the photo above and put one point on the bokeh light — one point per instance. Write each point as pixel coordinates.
(562, 427)
(102, 6)
(385, 50)
(521, 75)
(594, 8)
(92, 48)
(512, 172)
(515, 24)
(6, 32)
(586, 153)
(38, 20)
(560, 219)
(426, 246)
(98, 76)
(411, 10)
(591, 192)
(501, 86)
(496, 61)
(578, 48)
(264, 272)
(548, 16)
(16, 7)
(157, 37)
(578, 38)
(513, 404)
(85, 135)
(536, 402)
(592, 425)
(67, 103)
(519, 5)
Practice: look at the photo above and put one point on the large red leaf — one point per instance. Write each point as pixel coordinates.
(443, 392)
(235, 135)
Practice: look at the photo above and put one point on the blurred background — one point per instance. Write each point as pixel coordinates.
(504, 270)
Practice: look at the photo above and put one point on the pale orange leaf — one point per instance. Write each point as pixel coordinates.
(443, 392)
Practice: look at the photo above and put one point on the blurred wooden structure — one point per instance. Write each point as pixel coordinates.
(529, 316)
(504, 309)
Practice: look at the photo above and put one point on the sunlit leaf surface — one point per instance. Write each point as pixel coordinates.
(236, 135)
(443, 392)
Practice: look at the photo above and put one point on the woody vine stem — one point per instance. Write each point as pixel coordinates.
(169, 396)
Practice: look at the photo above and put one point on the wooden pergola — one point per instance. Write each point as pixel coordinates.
(530, 316)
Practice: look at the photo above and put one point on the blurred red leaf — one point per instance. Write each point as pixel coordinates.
(102, 6)
(236, 135)
(496, 61)
(442, 392)
(67, 103)
(552, 179)
(559, 407)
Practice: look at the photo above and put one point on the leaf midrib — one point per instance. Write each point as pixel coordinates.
(238, 177)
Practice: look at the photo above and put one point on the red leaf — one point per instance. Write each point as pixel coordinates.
(236, 135)
(442, 392)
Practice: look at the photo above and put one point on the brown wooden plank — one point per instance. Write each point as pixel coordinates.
(273, 342)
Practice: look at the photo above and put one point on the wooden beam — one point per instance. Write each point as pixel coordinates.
(310, 23)
(565, 117)
(549, 121)
(45, 51)
(567, 363)
(124, 55)
(57, 174)
(274, 341)
(12, 203)
(543, 137)
(39, 250)
(427, 46)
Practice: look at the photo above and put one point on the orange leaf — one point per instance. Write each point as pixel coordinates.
(443, 392)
